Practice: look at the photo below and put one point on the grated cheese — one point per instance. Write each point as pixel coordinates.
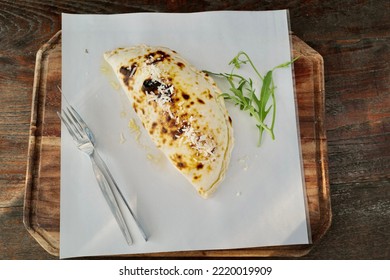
(202, 143)
(134, 128)
(153, 71)
(164, 91)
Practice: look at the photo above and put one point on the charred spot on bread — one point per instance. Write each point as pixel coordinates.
(201, 101)
(181, 65)
(150, 85)
(128, 72)
(199, 166)
(156, 57)
(185, 96)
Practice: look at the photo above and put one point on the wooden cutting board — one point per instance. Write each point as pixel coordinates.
(42, 197)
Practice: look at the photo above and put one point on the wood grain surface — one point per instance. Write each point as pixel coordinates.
(352, 37)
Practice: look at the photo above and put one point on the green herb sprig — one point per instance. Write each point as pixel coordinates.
(243, 93)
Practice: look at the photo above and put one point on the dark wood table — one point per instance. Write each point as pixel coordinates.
(352, 36)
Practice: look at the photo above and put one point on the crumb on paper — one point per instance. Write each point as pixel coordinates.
(136, 131)
(134, 128)
(115, 85)
(152, 157)
(123, 114)
(243, 162)
(103, 69)
(86, 51)
(122, 138)
(133, 125)
(238, 193)
(149, 156)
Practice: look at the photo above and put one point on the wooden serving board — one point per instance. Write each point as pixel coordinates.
(42, 197)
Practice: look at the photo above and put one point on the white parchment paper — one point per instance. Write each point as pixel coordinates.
(262, 200)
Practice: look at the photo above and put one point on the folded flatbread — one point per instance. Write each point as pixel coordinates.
(180, 108)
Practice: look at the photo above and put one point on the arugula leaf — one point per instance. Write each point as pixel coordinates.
(243, 94)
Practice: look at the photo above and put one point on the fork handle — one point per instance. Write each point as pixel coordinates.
(104, 169)
(106, 188)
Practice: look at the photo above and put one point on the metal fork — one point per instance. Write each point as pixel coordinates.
(85, 142)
